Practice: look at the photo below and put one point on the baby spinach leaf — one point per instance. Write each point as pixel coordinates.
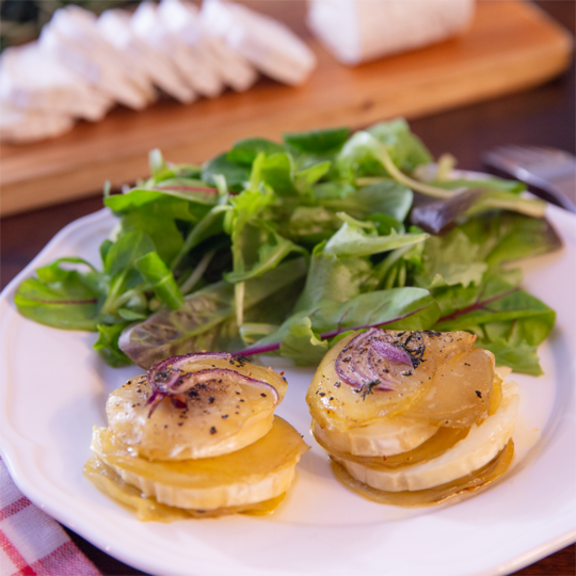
(301, 344)
(318, 141)
(245, 151)
(107, 345)
(234, 173)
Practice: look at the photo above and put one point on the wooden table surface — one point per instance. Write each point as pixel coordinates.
(543, 116)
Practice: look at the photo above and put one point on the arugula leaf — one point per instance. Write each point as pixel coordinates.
(507, 236)
(385, 197)
(270, 253)
(490, 183)
(332, 278)
(353, 240)
(160, 279)
(451, 260)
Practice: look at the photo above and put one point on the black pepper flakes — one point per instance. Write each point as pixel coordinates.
(211, 399)
(213, 430)
(478, 393)
(224, 416)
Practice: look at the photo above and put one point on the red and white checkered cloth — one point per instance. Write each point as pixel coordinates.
(32, 543)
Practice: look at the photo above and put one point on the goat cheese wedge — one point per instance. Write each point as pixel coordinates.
(266, 43)
(116, 26)
(360, 30)
(72, 38)
(150, 26)
(183, 19)
(32, 79)
(20, 125)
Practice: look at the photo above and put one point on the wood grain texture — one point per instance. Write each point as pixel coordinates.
(511, 46)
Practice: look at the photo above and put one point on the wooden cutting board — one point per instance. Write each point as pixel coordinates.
(511, 46)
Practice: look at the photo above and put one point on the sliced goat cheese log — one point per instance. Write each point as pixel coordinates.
(33, 79)
(20, 125)
(150, 27)
(183, 20)
(269, 45)
(359, 30)
(116, 26)
(71, 37)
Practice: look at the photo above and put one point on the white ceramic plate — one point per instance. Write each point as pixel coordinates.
(53, 389)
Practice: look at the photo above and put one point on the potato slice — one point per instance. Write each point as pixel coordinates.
(258, 472)
(219, 417)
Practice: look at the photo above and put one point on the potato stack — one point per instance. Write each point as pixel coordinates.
(196, 437)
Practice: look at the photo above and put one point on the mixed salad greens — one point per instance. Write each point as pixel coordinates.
(282, 248)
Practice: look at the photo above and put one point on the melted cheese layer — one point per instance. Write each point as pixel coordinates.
(389, 438)
(480, 446)
(261, 471)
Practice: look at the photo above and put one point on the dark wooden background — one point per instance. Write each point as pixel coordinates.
(543, 116)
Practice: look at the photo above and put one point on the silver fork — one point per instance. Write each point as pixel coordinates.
(550, 173)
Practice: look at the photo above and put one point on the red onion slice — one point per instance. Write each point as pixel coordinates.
(165, 374)
(169, 379)
(363, 361)
(392, 353)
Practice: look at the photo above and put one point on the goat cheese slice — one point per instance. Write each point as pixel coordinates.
(183, 20)
(150, 26)
(71, 37)
(116, 26)
(268, 44)
(19, 125)
(32, 79)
